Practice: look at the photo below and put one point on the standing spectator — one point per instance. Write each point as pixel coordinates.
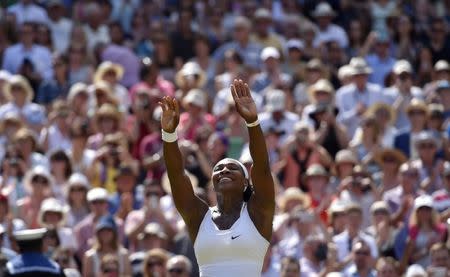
(56, 135)
(437, 41)
(155, 263)
(262, 22)
(26, 50)
(271, 76)
(106, 242)
(241, 43)
(314, 256)
(183, 38)
(417, 112)
(79, 69)
(328, 31)
(58, 86)
(96, 31)
(315, 70)
(443, 92)
(81, 157)
(25, 11)
(380, 60)
(8, 222)
(362, 266)
(353, 100)
(290, 267)
(389, 160)
(366, 141)
(25, 143)
(403, 91)
(85, 230)
(190, 76)
(59, 25)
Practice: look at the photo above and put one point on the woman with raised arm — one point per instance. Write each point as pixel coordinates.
(231, 238)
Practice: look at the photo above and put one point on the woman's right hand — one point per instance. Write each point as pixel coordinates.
(170, 114)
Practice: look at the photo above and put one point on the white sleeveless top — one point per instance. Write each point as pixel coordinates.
(238, 251)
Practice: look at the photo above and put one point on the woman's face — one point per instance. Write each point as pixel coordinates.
(110, 77)
(40, 185)
(368, 130)
(201, 48)
(18, 94)
(105, 236)
(379, 216)
(345, 169)
(387, 270)
(390, 163)
(52, 218)
(424, 214)
(77, 193)
(228, 176)
(58, 167)
(107, 125)
(157, 266)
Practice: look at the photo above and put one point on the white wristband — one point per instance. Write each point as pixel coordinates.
(169, 137)
(253, 124)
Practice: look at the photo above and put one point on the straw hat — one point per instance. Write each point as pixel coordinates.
(346, 156)
(315, 170)
(100, 87)
(105, 67)
(360, 66)
(398, 155)
(76, 89)
(108, 111)
(19, 80)
(10, 118)
(190, 69)
(372, 111)
(417, 104)
(196, 97)
(321, 85)
(293, 193)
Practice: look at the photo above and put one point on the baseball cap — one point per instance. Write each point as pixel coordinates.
(295, 44)
(423, 201)
(96, 194)
(270, 52)
(276, 101)
(402, 66)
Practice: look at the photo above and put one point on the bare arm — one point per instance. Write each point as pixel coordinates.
(262, 204)
(191, 208)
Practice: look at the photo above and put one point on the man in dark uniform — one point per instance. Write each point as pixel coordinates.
(31, 261)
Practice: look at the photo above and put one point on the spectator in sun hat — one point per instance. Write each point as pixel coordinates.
(107, 121)
(316, 184)
(442, 70)
(424, 230)
(38, 184)
(443, 92)
(263, 35)
(293, 62)
(112, 73)
(78, 99)
(417, 112)
(53, 215)
(271, 76)
(389, 161)
(276, 114)
(327, 30)
(345, 74)
(20, 94)
(25, 143)
(314, 71)
(195, 103)
(344, 162)
(190, 76)
(354, 99)
(55, 136)
(403, 91)
(430, 165)
(436, 119)
(85, 230)
(76, 191)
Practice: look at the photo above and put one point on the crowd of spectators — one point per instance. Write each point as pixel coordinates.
(354, 101)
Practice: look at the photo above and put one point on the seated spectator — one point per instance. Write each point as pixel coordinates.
(314, 256)
(385, 115)
(38, 183)
(389, 160)
(387, 267)
(439, 259)
(106, 243)
(362, 265)
(327, 30)
(20, 94)
(58, 86)
(55, 136)
(178, 265)
(78, 100)
(155, 263)
(314, 71)
(80, 70)
(191, 76)
(380, 60)
(290, 267)
(96, 31)
(107, 122)
(53, 215)
(76, 191)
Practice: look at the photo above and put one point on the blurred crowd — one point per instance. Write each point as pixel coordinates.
(354, 101)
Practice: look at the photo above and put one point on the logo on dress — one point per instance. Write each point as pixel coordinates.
(235, 237)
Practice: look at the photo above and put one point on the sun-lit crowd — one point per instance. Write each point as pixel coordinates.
(353, 98)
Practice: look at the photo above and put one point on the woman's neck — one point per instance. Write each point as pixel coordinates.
(228, 205)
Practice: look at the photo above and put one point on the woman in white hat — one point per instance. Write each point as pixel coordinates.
(240, 226)
(195, 104)
(76, 192)
(38, 183)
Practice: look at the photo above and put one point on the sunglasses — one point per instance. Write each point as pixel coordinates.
(176, 270)
(416, 112)
(151, 193)
(110, 270)
(155, 263)
(362, 253)
(78, 189)
(98, 202)
(40, 180)
(426, 146)
(389, 160)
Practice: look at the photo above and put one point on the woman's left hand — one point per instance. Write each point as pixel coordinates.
(243, 101)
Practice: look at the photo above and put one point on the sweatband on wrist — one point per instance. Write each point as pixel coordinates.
(169, 137)
(253, 124)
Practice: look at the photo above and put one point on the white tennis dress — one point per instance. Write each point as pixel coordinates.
(238, 251)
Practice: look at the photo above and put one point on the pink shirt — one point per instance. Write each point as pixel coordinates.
(165, 87)
(189, 134)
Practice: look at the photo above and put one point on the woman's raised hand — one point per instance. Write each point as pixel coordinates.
(243, 101)
(170, 114)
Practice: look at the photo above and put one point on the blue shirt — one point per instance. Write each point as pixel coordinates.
(250, 53)
(380, 67)
(40, 56)
(33, 262)
(138, 197)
